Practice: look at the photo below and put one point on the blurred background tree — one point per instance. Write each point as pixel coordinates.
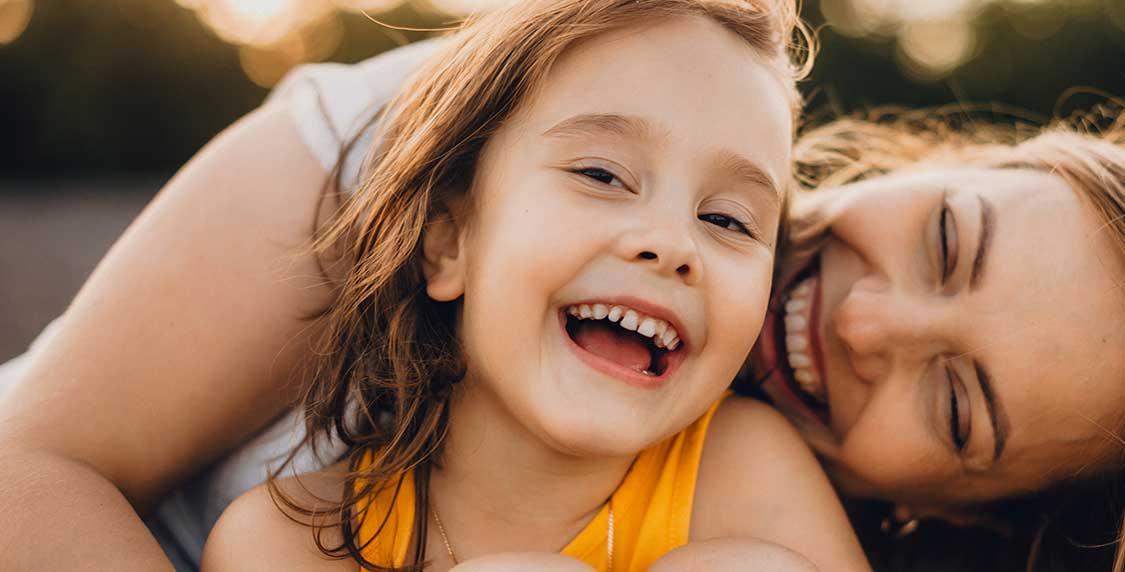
(100, 102)
(136, 86)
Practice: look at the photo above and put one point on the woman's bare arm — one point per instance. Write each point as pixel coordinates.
(185, 340)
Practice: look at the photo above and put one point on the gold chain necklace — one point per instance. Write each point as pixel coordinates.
(453, 556)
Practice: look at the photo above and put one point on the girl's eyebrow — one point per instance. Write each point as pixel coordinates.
(749, 172)
(602, 124)
(632, 127)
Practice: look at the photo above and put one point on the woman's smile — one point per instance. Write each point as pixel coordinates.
(789, 353)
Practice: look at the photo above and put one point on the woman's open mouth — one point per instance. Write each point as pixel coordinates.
(788, 356)
(623, 341)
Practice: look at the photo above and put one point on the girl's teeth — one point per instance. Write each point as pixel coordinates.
(615, 313)
(667, 337)
(660, 332)
(796, 305)
(647, 327)
(630, 321)
(796, 342)
(600, 311)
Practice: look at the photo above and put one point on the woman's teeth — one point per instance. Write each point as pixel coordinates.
(797, 310)
(662, 334)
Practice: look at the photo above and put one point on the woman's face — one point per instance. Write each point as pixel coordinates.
(958, 337)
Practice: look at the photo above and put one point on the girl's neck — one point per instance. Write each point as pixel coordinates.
(501, 488)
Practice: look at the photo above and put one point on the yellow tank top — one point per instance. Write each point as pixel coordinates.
(651, 509)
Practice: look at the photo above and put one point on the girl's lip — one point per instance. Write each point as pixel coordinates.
(630, 376)
(768, 358)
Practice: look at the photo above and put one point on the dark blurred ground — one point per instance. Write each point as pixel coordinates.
(52, 234)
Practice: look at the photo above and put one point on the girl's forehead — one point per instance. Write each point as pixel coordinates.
(687, 86)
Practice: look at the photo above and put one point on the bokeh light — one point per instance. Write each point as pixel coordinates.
(463, 7)
(367, 5)
(933, 38)
(14, 17)
(936, 37)
(930, 49)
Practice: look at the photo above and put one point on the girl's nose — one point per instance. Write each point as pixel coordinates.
(667, 247)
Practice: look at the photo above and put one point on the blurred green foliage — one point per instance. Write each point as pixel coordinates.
(137, 86)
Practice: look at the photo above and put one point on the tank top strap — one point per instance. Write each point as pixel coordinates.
(652, 507)
(386, 520)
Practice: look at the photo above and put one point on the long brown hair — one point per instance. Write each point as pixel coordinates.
(1064, 528)
(390, 356)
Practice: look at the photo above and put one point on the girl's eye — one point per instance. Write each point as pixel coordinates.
(602, 176)
(960, 421)
(726, 222)
(947, 225)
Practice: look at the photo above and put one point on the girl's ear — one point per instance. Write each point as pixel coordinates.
(443, 261)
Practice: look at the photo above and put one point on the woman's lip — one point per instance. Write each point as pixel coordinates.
(630, 376)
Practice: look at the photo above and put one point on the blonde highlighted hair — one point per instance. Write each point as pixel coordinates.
(390, 356)
(1086, 150)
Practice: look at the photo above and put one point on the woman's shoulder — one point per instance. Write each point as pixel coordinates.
(333, 104)
(256, 533)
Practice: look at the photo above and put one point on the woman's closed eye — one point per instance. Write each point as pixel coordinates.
(960, 414)
(947, 227)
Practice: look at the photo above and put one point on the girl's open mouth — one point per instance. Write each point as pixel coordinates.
(623, 341)
(788, 356)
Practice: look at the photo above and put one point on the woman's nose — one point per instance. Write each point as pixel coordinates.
(879, 323)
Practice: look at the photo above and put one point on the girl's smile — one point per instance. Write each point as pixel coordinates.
(627, 338)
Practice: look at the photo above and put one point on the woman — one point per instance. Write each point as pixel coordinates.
(893, 296)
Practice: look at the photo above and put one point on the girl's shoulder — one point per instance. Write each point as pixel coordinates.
(255, 533)
(758, 478)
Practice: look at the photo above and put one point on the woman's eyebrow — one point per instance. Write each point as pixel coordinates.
(987, 228)
(1001, 427)
(602, 124)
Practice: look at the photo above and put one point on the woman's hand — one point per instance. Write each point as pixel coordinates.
(732, 555)
(523, 562)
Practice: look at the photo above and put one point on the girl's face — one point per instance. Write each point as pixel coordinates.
(639, 188)
(958, 337)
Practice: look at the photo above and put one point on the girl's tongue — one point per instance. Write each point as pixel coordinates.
(611, 342)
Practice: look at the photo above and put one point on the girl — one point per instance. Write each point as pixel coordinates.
(558, 258)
